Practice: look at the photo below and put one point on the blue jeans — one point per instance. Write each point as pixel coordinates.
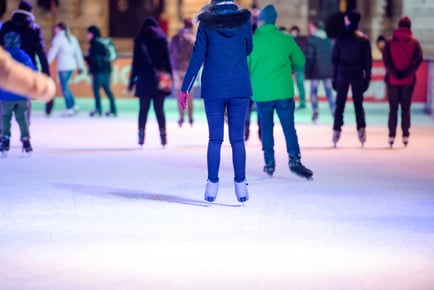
(215, 114)
(327, 83)
(64, 77)
(285, 112)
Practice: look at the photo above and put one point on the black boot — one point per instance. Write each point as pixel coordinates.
(299, 169)
(27, 148)
(269, 168)
(4, 144)
(163, 137)
(141, 137)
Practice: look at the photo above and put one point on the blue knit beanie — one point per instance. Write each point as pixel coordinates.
(268, 14)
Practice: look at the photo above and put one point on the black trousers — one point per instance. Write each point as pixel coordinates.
(158, 102)
(399, 96)
(357, 88)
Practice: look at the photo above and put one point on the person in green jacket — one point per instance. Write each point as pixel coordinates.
(270, 64)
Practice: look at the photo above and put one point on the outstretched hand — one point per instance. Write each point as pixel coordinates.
(183, 96)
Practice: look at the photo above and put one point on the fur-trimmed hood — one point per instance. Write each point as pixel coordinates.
(223, 16)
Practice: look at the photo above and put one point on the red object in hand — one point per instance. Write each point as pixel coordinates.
(183, 100)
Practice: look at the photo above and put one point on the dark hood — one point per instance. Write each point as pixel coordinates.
(224, 16)
(22, 18)
(151, 29)
(403, 34)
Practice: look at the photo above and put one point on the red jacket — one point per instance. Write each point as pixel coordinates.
(402, 56)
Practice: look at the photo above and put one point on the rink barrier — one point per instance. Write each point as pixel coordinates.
(81, 84)
(429, 108)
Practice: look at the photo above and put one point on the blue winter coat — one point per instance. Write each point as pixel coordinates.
(223, 42)
(22, 57)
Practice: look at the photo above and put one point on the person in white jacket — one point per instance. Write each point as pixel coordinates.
(66, 49)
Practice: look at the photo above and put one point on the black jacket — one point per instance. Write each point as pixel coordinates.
(352, 56)
(143, 68)
(32, 41)
(97, 58)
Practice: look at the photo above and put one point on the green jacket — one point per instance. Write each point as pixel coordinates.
(275, 55)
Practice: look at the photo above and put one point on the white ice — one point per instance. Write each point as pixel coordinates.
(91, 210)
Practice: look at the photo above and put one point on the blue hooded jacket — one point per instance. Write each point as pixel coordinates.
(223, 42)
(20, 56)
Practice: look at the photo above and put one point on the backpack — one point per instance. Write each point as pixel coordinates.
(112, 53)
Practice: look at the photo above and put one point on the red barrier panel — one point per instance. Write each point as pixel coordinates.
(377, 88)
(81, 84)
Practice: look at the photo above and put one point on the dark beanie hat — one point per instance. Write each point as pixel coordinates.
(268, 14)
(12, 40)
(354, 17)
(25, 5)
(94, 30)
(404, 22)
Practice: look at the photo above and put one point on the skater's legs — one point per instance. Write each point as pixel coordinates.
(329, 94)
(237, 108)
(266, 116)
(64, 77)
(144, 103)
(7, 113)
(158, 103)
(357, 87)
(393, 96)
(406, 97)
(285, 112)
(105, 82)
(20, 115)
(96, 86)
(342, 86)
(314, 95)
(215, 112)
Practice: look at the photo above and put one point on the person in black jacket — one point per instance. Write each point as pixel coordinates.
(32, 41)
(319, 66)
(150, 52)
(100, 68)
(352, 63)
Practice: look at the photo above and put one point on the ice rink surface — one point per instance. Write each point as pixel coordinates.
(91, 210)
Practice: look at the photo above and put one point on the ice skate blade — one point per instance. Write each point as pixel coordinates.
(26, 154)
(302, 176)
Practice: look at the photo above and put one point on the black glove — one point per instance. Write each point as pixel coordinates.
(79, 71)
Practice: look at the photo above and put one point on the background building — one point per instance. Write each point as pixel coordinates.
(121, 18)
